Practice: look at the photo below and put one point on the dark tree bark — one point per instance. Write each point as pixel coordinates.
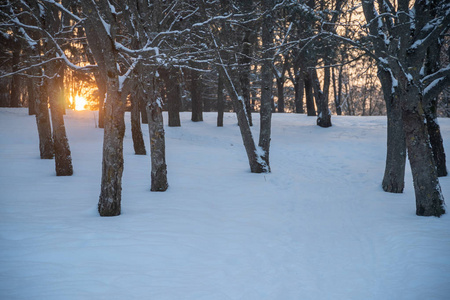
(196, 96)
(63, 159)
(143, 111)
(31, 97)
(171, 82)
(136, 131)
(429, 199)
(46, 147)
(280, 94)
(299, 87)
(15, 82)
(310, 108)
(430, 107)
(220, 100)
(324, 117)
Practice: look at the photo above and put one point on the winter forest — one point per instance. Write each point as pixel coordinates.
(272, 149)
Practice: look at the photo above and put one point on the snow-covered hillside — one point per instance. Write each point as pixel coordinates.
(318, 227)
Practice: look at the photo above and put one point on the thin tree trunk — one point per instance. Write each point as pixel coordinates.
(280, 94)
(136, 131)
(310, 109)
(46, 147)
(31, 97)
(220, 100)
(299, 87)
(15, 82)
(196, 96)
(143, 111)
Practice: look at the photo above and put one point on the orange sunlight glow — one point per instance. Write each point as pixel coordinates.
(79, 103)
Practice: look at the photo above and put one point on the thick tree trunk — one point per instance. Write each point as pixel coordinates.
(299, 87)
(220, 100)
(63, 159)
(429, 199)
(196, 96)
(136, 131)
(310, 109)
(112, 164)
(46, 147)
(394, 174)
(157, 144)
(280, 94)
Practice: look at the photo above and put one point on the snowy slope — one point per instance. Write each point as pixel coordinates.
(318, 227)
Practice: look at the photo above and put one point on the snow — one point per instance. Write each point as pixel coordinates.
(318, 227)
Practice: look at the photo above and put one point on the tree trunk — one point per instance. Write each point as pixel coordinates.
(112, 164)
(15, 82)
(220, 100)
(196, 96)
(299, 87)
(46, 147)
(280, 94)
(31, 97)
(157, 142)
(324, 117)
(244, 74)
(394, 174)
(310, 109)
(436, 138)
(63, 159)
(266, 86)
(136, 132)
(429, 199)
(171, 81)
(143, 110)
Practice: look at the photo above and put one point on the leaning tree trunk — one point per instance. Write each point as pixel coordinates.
(429, 199)
(157, 142)
(63, 159)
(136, 131)
(436, 138)
(46, 148)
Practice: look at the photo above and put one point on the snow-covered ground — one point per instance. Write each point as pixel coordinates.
(318, 227)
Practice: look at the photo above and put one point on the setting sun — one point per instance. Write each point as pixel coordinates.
(79, 103)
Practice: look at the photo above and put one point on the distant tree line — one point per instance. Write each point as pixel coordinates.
(317, 57)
